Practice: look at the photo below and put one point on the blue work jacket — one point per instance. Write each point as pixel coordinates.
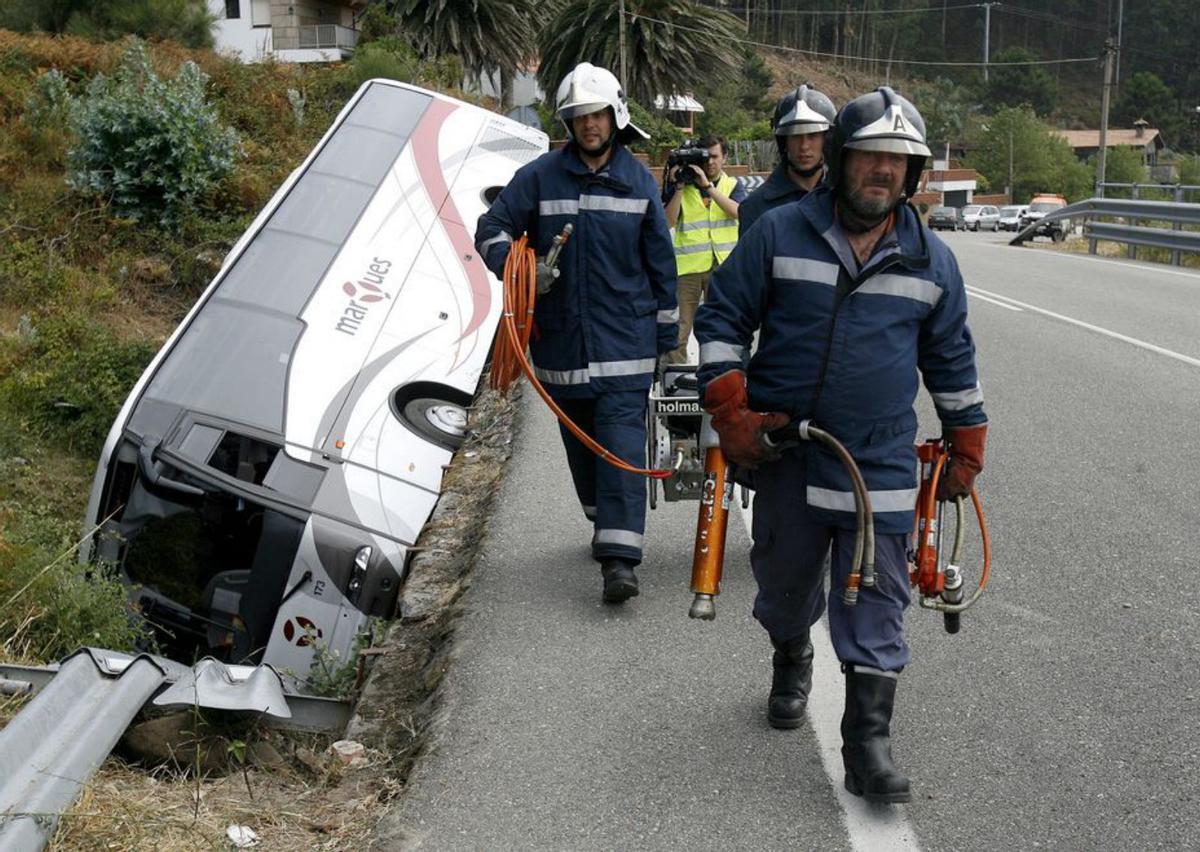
(776, 190)
(613, 309)
(843, 347)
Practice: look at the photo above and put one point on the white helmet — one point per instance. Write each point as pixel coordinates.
(589, 89)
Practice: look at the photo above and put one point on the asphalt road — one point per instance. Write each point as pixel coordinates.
(1063, 716)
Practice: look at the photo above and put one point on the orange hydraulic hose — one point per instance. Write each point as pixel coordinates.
(508, 355)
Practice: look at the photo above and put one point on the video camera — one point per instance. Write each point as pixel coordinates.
(688, 154)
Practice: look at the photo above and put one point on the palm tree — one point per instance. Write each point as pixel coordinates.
(672, 46)
(486, 35)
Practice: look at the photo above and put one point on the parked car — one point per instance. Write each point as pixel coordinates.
(1010, 216)
(1039, 206)
(980, 217)
(943, 219)
(265, 483)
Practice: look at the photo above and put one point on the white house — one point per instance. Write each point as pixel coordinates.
(288, 30)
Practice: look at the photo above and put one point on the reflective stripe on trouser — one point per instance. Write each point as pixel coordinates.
(617, 420)
(690, 289)
(788, 558)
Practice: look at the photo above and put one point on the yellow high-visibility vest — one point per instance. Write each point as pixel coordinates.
(703, 233)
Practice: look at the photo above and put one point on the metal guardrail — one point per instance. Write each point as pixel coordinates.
(1174, 239)
(328, 35)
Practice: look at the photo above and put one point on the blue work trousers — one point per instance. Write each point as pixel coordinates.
(788, 558)
(613, 500)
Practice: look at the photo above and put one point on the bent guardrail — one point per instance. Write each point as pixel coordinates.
(1174, 239)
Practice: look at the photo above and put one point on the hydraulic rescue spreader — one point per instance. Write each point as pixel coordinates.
(939, 582)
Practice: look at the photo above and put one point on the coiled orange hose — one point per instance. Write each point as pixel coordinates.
(508, 354)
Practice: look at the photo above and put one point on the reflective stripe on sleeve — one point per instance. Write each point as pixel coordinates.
(957, 400)
(558, 207)
(804, 269)
(613, 204)
(669, 316)
(608, 369)
(502, 237)
(718, 351)
(901, 500)
(904, 286)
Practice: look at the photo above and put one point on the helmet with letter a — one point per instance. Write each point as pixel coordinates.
(587, 89)
(878, 121)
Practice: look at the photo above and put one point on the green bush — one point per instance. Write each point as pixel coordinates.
(152, 147)
(68, 377)
(50, 605)
(393, 58)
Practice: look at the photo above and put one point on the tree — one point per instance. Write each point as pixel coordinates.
(1042, 162)
(1014, 85)
(486, 35)
(1145, 95)
(672, 46)
(1122, 165)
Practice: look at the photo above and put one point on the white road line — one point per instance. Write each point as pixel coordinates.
(1091, 258)
(1150, 347)
(992, 301)
(871, 828)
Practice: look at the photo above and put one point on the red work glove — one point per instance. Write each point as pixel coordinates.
(965, 444)
(741, 430)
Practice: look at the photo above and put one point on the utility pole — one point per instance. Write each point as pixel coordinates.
(987, 32)
(1120, 28)
(1010, 163)
(1102, 154)
(621, 39)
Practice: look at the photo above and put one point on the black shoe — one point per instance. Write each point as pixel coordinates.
(791, 682)
(620, 583)
(866, 737)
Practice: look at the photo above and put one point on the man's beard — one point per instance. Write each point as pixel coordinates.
(599, 150)
(859, 214)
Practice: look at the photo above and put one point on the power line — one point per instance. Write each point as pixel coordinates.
(845, 12)
(816, 53)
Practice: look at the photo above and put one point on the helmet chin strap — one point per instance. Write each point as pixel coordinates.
(805, 173)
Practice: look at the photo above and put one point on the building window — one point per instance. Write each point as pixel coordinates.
(233, 9)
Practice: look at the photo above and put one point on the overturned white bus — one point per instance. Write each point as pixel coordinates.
(264, 481)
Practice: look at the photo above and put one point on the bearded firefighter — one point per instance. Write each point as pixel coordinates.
(852, 300)
(607, 312)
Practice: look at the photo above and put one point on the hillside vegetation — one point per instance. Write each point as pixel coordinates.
(91, 285)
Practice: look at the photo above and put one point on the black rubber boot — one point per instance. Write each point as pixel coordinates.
(866, 737)
(620, 583)
(791, 682)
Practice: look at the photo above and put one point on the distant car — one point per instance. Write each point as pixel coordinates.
(943, 219)
(980, 217)
(1010, 217)
(1039, 206)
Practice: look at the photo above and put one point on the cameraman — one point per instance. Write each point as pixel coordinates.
(703, 210)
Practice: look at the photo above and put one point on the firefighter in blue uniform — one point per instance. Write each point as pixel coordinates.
(800, 121)
(606, 314)
(851, 298)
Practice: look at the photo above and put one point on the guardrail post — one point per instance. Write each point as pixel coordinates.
(1177, 226)
(1131, 252)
